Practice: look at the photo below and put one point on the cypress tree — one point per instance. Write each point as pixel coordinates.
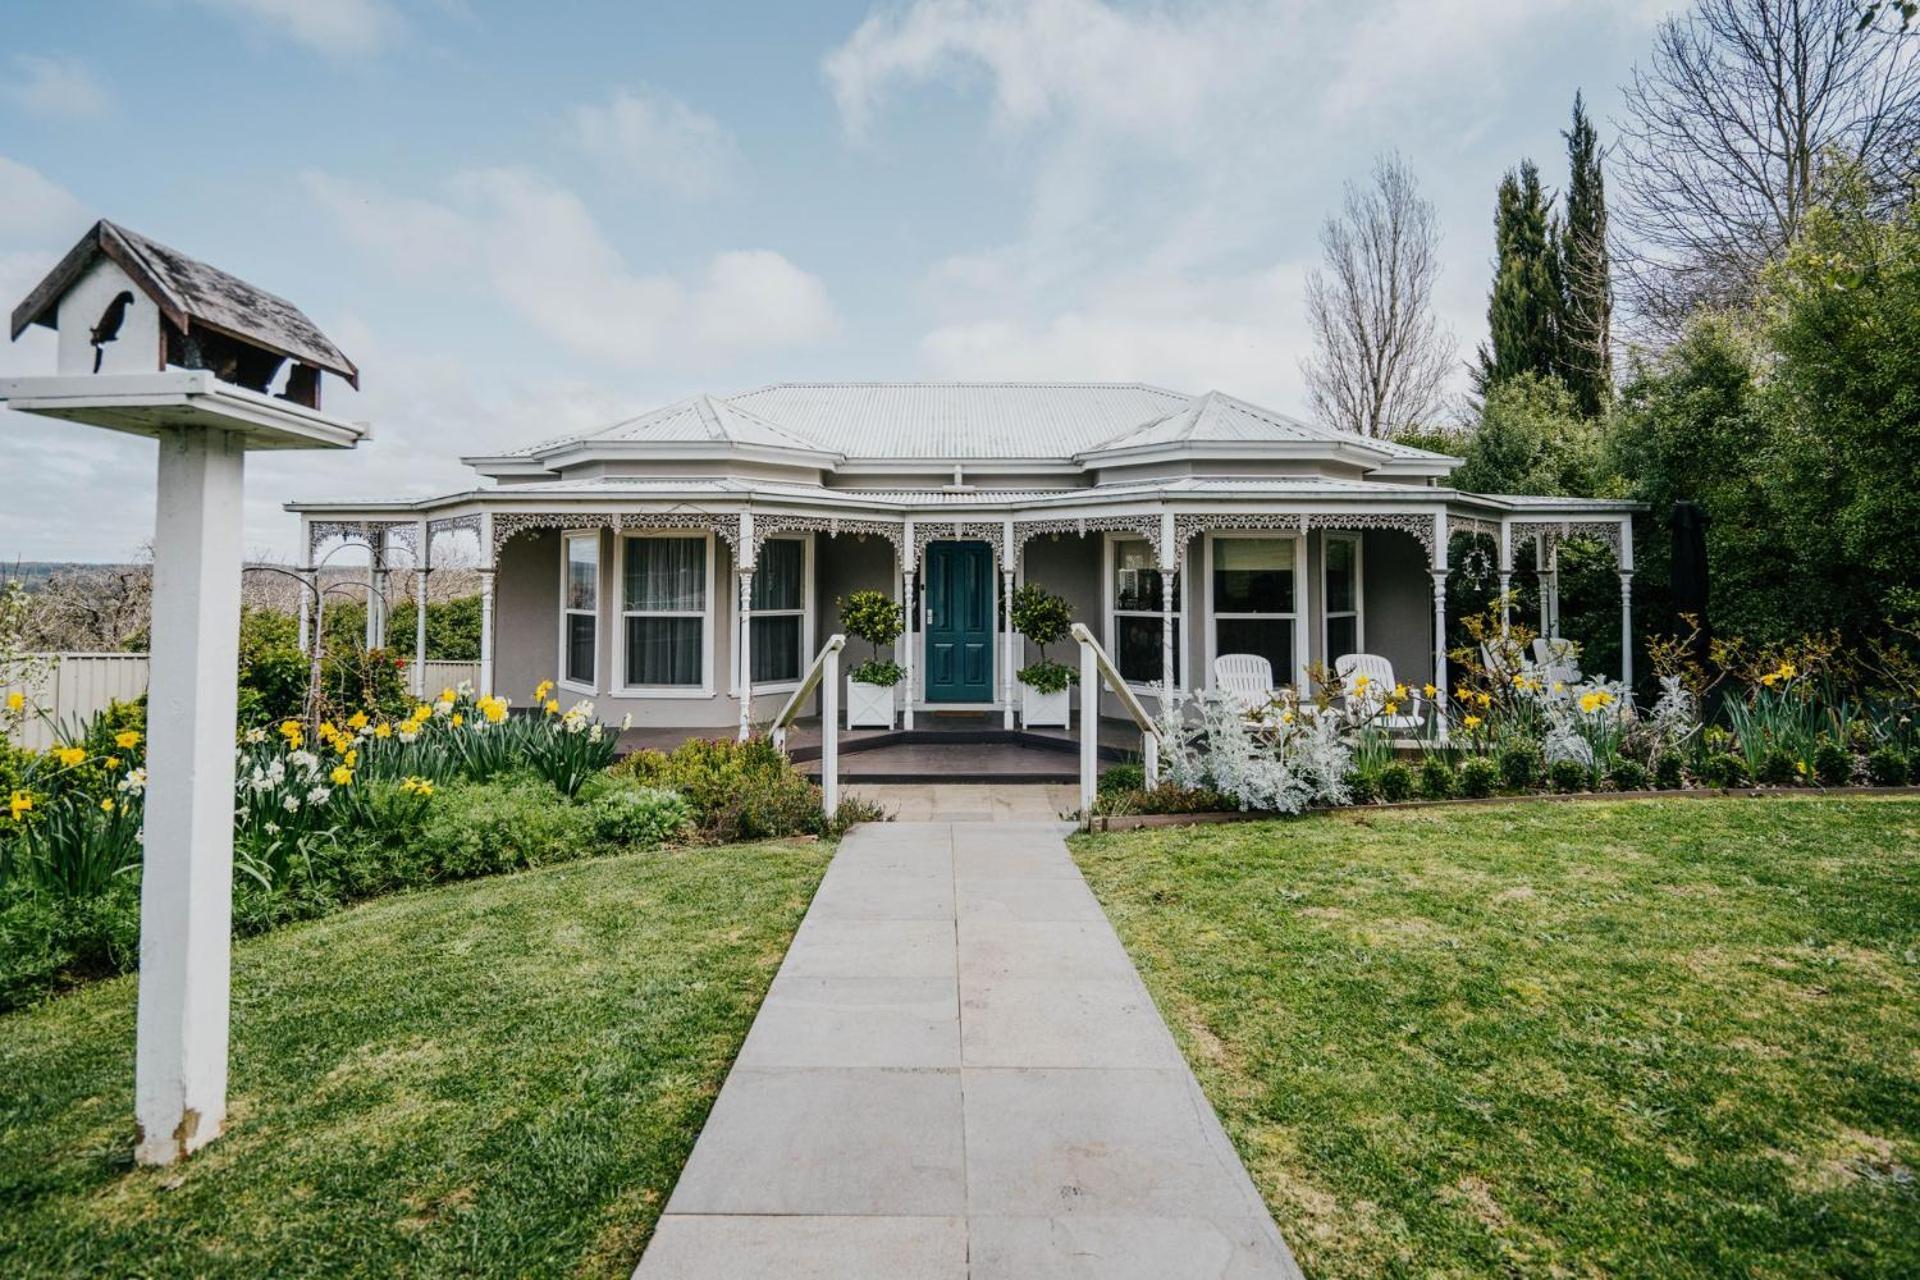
(1524, 309)
(1587, 337)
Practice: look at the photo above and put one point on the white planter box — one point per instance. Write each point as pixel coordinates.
(1038, 709)
(869, 706)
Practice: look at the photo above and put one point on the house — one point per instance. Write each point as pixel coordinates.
(683, 566)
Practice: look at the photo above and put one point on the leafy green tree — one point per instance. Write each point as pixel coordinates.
(1524, 309)
(1586, 272)
(1532, 438)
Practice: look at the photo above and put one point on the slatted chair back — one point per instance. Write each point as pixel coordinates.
(1245, 677)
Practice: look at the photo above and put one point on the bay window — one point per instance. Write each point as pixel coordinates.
(580, 609)
(1340, 589)
(666, 598)
(1254, 599)
(779, 622)
(1134, 631)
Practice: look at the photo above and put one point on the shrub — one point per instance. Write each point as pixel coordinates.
(1568, 775)
(1043, 618)
(1777, 768)
(874, 616)
(1363, 786)
(1395, 783)
(1628, 775)
(1668, 773)
(1165, 798)
(1724, 769)
(1832, 764)
(1437, 781)
(1479, 777)
(738, 790)
(641, 816)
(1520, 765)
(1122, 777)
(567, 749)
(1888, 767)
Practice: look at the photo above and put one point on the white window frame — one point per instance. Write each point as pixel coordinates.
(567, 538)
(1112, 613)
(805, 613)
(627, 689)
(1298, 676)
(1359, 611)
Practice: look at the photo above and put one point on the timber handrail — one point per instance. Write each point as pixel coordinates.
(1096, 668)
(823, 674)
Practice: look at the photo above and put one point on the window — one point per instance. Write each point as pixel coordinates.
(1137, 612)
(779, 623)
(665, 590)
(1340, 588)
(580, 609)
(1254, 600)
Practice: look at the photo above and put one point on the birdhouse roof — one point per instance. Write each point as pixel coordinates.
(189, 292)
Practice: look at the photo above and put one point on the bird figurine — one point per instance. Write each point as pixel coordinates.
(109, 327)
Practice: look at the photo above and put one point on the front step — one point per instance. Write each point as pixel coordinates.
(997, 758)
(959, 738)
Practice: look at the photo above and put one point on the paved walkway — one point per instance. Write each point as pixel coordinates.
(970, 802)
(957, 1073)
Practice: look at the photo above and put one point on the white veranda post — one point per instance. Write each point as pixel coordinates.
(487, 555)
(1440, 536)
(745, 643)
(186, 893)
(1169, 575)
(911, 603)
(1006, 633)
(422, 567)
(1506, 581)
(1625, 565)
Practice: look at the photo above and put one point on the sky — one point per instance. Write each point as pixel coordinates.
(524, 220)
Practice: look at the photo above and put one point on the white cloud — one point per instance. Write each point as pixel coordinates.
(653, 137)
(56, 88)
(35, 211)
(337, 27)
(539, 250)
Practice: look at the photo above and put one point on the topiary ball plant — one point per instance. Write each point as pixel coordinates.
(1395, 783)
(1832, 764)
(1043, 618)
(1724, 769)
(1668, 772)
(1888, 767)
(876, 617)
(1777, 768)
(1479, 778)
(1628, 775)
(1437, 781)
(1569, 775)
(1520, 765)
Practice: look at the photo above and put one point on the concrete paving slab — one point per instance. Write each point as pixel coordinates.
(957, 1072)
(830, 1141)
(1093, 1248)
(687, 1247)
(1064, 1022)
(856, 1022)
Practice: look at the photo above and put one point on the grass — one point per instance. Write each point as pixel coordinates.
(501, 1077)
(1672, 1038)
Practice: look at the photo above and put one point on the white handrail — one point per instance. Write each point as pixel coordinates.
(823, 674)
(1096, 666)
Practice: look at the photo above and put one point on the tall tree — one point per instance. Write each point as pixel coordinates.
(1586, 336)
(1523, 311)
(1382, 358)
(1726, 128)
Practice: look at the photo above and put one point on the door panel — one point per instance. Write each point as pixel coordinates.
(960, 617)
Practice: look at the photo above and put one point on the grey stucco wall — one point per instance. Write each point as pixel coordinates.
(526, 614)
(1397, 598)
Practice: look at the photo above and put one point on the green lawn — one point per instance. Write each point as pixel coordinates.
(1654, 1038)
(501, 1077)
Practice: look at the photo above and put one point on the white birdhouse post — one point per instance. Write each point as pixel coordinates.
(153, 343)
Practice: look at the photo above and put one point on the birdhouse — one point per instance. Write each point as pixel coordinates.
(150, 339)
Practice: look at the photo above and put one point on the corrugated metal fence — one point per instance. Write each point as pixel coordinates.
(74, 686)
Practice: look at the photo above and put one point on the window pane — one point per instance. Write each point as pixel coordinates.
(1340, 575)
(663, 651)
(1272, 639)
(1252, 575)
(666, 574)
(776, 578)
(583, 571)
(1136, 580)
(580, 648)
(1138, 651)
(1343, 638)
(776, 649)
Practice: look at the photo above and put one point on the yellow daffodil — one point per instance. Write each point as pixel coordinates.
(1486, 700)
(1590, 702)
(417, 786)
(541, 690)
(383, 730)
(1392, 706)
(1769, 678)
(20, 804)
(341, 775)
(1462, 692)
(447, 694)
(290, 729)
(69, 756)
(126, 739)
(16, 701)
(106, 805)
(458, 719)
(1360, 683)
(1472, 722)
(112, 762)
(358, 720)
(351, 760)
(421, 712)
(1788, 671)
(1430, 691)
(1400, 692)
(553, 705)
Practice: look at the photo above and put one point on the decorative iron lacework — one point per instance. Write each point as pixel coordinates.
(765, 527)
(1476, 526)
(507, 523)
(988, 531)
(1147, 525)
(405, 532)
(1187, 524)
(1554, 532)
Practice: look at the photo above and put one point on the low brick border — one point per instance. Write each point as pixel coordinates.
(1148, 821)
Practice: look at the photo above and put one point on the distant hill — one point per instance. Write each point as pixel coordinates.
(33, 574)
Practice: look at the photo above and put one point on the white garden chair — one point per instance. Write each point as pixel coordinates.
(1247, 678)
(1557, 661)
(1378, 690)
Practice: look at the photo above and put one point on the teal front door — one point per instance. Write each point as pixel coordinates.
(959, 620)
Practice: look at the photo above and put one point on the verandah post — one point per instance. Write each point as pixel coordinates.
(1169, 572)
(1441, 534)
(1089, 731)
(423, 565)
(488, 555)
(1006, 626)
(909, 565)
(1624, 563)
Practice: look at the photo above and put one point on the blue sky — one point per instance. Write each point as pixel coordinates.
(525, 219)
